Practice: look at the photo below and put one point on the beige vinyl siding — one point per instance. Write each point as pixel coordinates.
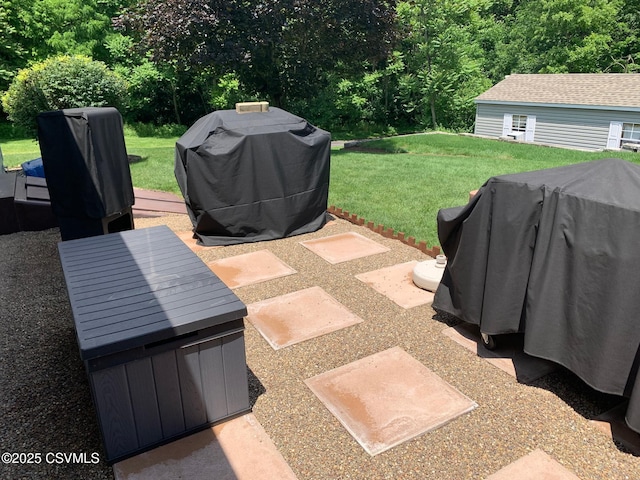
(564, 126)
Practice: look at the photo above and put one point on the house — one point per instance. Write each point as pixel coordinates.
(579, 110)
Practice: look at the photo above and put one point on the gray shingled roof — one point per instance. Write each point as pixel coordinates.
(598, 89)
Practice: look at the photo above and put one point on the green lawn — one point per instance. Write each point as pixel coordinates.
(401, 183)
(17, 151)
(404, 190)
(155, 171)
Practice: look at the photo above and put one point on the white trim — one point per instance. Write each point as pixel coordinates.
(507, 120)
(530, 128)
(615, 135)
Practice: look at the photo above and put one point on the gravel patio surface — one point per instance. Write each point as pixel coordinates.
(47, 406)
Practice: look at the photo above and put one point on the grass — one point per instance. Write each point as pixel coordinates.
(405, 188)
(156, 147)
(17, 151)
(400, 182)
(155, 171)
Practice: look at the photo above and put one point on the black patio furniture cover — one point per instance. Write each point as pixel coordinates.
(249, 177)
(554, 254)
(85, 162)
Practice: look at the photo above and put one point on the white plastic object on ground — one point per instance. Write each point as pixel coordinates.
(428, 274)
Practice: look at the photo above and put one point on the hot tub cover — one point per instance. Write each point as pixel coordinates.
(253, 176)
(554, 254)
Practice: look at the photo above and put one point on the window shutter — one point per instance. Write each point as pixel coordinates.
(615, 134)
(506, 124)
(530, 128)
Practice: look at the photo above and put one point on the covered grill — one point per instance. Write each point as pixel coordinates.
(249, 177)
(554, 254)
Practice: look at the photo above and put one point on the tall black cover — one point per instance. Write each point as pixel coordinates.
(85, 162)
(554, 254)
(253, 176)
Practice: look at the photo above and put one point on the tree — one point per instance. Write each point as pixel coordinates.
(58, 83)
(158, 92)
(563, 36)
(625, 56)
(54, 27)
(280, 48)
(494, 34)
(12, 53)
(33, 30)
(443, 61)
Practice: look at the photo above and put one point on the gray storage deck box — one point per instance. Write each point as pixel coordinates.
(160, 335)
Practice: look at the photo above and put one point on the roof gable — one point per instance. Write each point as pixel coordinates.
(588, 89)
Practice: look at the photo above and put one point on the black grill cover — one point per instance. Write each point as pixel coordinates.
(554, 254)
(253, 176)
(85, 162)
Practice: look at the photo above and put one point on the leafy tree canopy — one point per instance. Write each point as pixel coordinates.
(563, 36)
(625, 56)
(12, 52)
(415, 63)
(279, 48)
(444, 59)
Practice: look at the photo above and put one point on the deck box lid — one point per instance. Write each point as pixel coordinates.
(139, 287)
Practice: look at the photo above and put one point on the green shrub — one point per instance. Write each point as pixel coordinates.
(149, 94)
(227, 91)
(11, 131)
(58, 83)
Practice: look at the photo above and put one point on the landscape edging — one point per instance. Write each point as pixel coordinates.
(385, 232)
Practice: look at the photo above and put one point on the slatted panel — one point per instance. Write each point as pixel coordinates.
(147, 402)
(191, 386)
(144, 401)
(116, 417)
(170, 398)
(235, 373)
(213, 381)
(132, 288)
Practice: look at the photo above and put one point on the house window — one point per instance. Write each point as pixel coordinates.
(519, 127)
(631, 133)
(519, 123)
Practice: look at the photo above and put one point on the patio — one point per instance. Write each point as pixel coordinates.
(352, 375)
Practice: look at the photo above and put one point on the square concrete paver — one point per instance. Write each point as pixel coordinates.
(289, 319)
(396, 283)
(192, 243)
(388, 398)
(344, 247)
(238, 449)
(613, 424)
(536, 465)
(508, 356)
(250, 268)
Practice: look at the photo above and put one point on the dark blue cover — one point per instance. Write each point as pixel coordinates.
(33, 168)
